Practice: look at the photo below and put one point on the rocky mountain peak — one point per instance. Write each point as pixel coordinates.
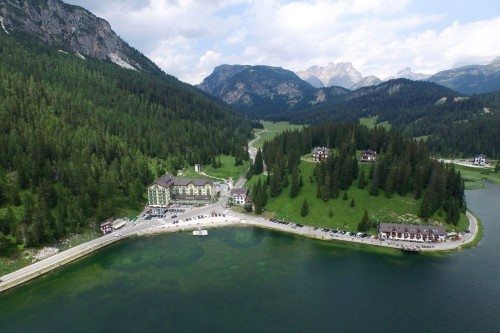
(342, 74)
(72, 29)
(407, 73)
(249, 87)
(368, 81)
(496, 61)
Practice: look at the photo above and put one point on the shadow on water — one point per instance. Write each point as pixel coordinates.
(250, 280)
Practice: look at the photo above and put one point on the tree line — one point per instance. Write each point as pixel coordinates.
(455, 125)
(403, 167)
(78, 136)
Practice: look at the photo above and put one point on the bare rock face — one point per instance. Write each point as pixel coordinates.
(259, 89)
(70, 28)
(342, 74)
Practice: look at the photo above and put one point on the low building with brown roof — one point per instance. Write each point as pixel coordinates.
(410, 232)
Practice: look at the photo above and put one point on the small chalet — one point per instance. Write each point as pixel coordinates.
(368, 155)
(239, 195)
(479, 160)
(320, 154)
(107, 227)
(410, 232)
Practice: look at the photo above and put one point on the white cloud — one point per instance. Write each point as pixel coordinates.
(187, 38)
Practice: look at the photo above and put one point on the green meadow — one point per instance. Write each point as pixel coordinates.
(380, 209)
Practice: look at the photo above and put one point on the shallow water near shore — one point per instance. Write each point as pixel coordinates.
(249, 280)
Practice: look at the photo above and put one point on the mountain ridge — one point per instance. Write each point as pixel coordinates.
(71, 29)
(471, 79)
(251, 88)
(342, 74)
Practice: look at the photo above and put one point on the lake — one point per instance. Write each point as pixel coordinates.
(250, 280)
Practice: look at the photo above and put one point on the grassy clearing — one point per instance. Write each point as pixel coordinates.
(474, 177)
(280, 126)
(422, 138)
(373, 121)
(397, 209)
(263, 137)
(228, 169)
(271, 129)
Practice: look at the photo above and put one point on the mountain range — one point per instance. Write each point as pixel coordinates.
(342, 74)
(258, 88)
(471, 79)
(88, 122)
(264, 90)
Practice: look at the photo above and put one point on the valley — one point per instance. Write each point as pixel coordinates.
(242, 166)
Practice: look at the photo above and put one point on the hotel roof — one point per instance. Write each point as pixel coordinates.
(168, 180)
(411, 229)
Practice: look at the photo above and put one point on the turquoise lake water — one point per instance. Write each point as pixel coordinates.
(250, 280)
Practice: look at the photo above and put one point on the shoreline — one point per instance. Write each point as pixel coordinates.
(49, 264)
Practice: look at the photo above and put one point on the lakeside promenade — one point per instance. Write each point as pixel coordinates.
(152, 227)
(158, 226)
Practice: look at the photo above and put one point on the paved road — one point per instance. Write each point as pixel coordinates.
(142, 226)
(232, 218)
(252, 151)
(165, 225)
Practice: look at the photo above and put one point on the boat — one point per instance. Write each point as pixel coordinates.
(200, 232)
(411, 249)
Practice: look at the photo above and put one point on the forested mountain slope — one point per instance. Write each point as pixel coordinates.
(471, 79)
(258, 90)
(77, 136)
(455, 125)
(466, 129)
(394, 101)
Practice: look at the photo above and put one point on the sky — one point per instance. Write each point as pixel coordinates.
(188, 38)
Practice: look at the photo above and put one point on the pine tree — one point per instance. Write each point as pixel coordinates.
(285, 182)
(352, 203)
(305, 208)
(335, 187)
(345, 178)
(258, 166)
(391, 182)
(362, 182)
(325, 189)
(345, 197)
(330, 212)
(249, 173)
(9, 221)
(452, 212)
(258, 198)
(426, 206)
(365, 223)
(418, 184)
(301, 182)
(275, 185)
(497, 166)
(374, 188)
(294, 187)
